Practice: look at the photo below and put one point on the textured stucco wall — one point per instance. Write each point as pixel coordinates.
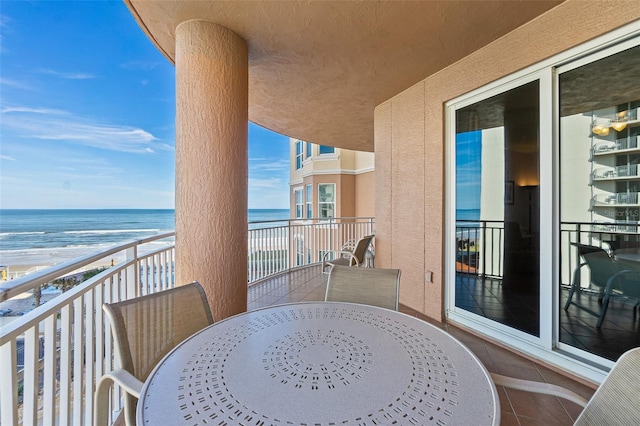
(211, 163)
(365, 189)
(347, 196)
(409, 140)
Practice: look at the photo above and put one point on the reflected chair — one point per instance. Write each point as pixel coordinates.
(615, 402)
(368, 286)
(608, 276)
(351, 254)
(144, 330)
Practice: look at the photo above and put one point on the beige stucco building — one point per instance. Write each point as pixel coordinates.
(330, 182)
(406, 80)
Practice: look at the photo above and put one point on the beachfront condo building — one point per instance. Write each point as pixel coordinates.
(329, 182)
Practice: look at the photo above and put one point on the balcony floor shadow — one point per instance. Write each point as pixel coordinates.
(518, 408)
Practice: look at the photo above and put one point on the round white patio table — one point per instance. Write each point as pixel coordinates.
(320, 363)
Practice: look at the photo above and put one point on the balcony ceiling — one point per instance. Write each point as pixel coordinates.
(317, 69)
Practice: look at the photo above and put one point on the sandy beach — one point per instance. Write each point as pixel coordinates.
(17, 306)
(18, 263)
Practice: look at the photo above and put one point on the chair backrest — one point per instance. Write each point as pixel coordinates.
(361, 248)
(601, 265)
(369, 286)
(616, 400)
(146, 328)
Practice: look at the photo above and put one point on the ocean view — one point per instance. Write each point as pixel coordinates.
(41, 237)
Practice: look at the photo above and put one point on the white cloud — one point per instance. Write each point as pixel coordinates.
(4, 24)
(269, 164)
(15, 84)
(69, 75)
(261, 184)
(164, 146)
(34, 110)
(6, 157)
(51, 124)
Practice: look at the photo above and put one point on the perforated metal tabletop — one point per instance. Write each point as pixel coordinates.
(320, 364)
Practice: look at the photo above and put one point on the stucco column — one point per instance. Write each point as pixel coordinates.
(211, 163)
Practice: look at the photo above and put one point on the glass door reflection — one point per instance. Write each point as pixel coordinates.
(497, 208)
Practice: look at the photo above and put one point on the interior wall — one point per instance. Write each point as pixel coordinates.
(410, 143)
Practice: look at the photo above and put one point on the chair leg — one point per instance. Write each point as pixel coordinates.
(574, 284)
(603, 310)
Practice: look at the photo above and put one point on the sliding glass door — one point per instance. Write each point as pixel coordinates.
(497, 151)
(544, 217)
(599, 99)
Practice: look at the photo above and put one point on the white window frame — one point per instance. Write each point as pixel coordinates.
(326, 153)
(327, 202)
(309, 201)
(546, 71)
(299, 154)
(297, 196)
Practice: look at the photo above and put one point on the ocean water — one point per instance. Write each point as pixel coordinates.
(29, 237)
(468, 214)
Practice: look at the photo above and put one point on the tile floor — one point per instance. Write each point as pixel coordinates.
(620, 330)
(518, 408)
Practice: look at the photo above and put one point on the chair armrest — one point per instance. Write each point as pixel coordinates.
(539, 387)
(340, 253)
(623, 277)
(121, 377)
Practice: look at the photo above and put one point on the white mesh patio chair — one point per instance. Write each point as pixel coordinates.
(615, 402)
(144, 330)
(368, 286)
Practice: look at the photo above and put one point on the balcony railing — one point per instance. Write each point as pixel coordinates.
(52, 357)
(623, 198)
(629, 171)
(480, 247)
(621, 144)
(277, 246)
(481, 244)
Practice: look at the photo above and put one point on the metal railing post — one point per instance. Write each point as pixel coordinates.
(484, 249)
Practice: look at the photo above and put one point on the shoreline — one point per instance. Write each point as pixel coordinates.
(18, 271)
(18, 263)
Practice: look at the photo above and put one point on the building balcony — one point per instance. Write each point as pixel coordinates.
(619, 146)
(53, 354)
(616, 173)
(617, 227)
(624, 199)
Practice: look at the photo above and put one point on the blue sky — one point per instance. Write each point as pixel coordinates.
(468, 167)
(87, 107)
